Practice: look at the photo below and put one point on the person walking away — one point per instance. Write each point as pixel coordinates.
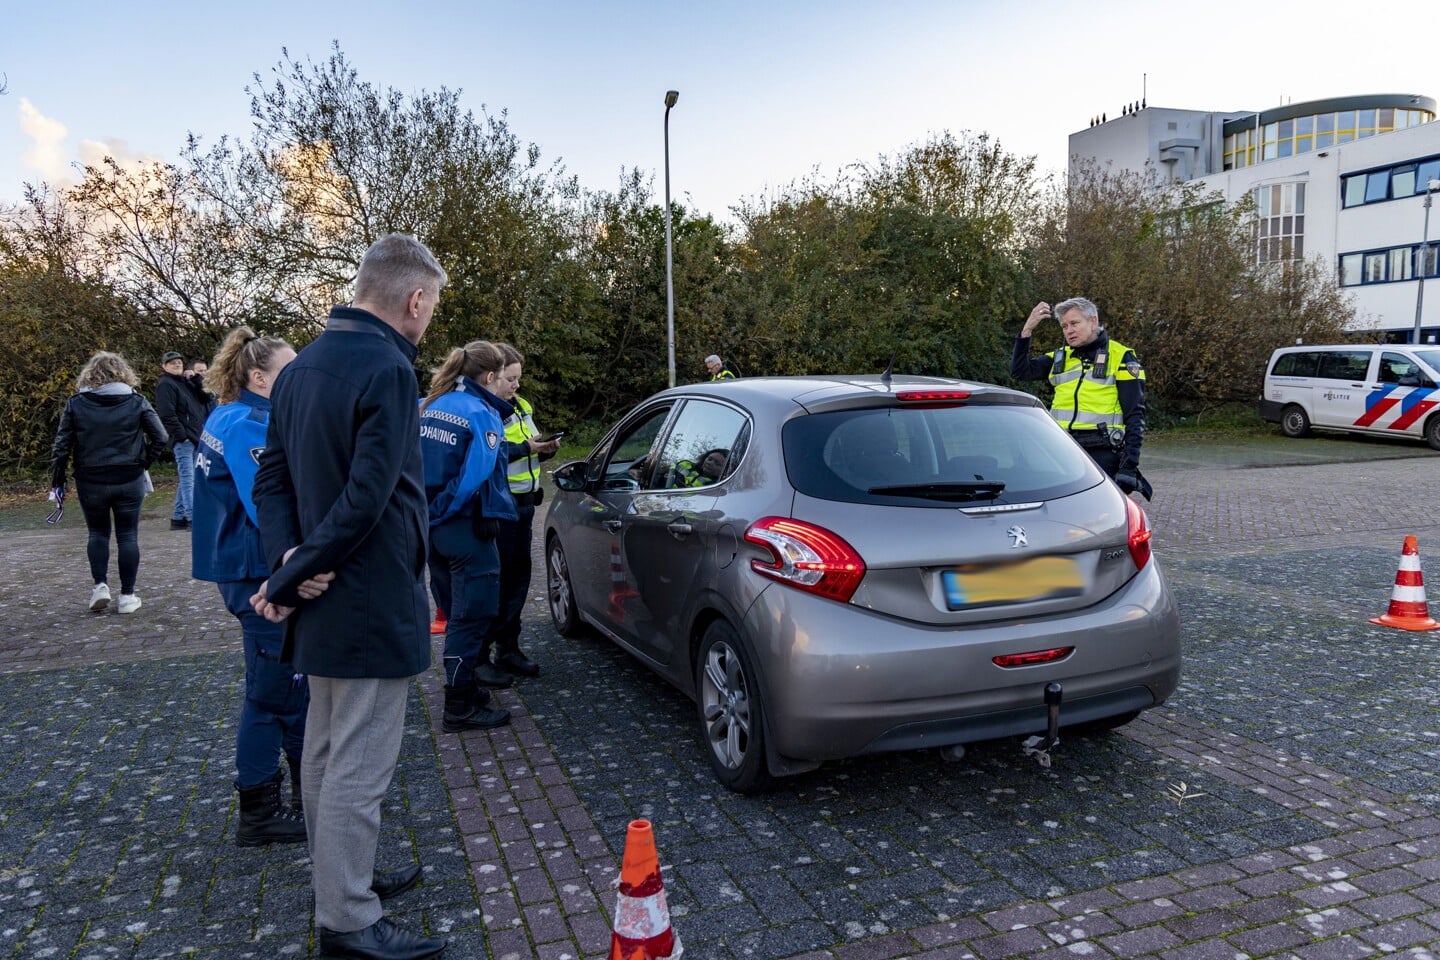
(183, 413)
(110, 434)
(717, 368)
(226, 550)
(527, 452)
(1099, 388)
(340, 488)
(463, 445)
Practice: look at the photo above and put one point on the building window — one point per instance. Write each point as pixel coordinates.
(1387, 266)
(1280, 222)
(1298, 135)
(1390, 183)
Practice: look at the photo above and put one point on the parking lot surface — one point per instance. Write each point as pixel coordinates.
(1284, 803)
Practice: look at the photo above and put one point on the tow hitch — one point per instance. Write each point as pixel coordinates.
(1037, 746)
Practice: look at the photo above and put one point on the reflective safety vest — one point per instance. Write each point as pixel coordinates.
(687, 474)
(524, 475)
(722, 375)
(1085, 393)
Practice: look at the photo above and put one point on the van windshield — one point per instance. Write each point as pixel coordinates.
(1431, 359)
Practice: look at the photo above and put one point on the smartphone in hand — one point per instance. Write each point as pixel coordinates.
(553, 437)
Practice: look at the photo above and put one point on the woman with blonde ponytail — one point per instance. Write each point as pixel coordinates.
(226, 549)
(462, 442)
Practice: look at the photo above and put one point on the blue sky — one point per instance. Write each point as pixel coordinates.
(769, 92)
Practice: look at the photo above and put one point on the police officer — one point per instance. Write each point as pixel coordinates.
(527, 452)
(1099, 388)
(717, 368)
(462, 442)
(226, 550)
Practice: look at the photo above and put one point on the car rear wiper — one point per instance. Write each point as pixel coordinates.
(956, 490)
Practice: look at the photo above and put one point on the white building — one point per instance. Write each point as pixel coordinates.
(1343, 180)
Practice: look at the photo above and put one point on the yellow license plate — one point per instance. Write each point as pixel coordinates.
(1039, 579)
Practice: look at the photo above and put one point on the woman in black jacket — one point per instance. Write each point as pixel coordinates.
(111, 434)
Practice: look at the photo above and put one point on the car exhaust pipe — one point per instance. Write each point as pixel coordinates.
(1040, 747)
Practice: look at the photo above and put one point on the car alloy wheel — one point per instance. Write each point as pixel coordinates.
(560, 591)
(731, 712)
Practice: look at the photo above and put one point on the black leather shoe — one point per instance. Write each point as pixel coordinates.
(513, 661)
(181, 524)
(489, 675)
(382, 940)
(395, 882)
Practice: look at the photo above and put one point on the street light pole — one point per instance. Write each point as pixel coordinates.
(1430, 189)
(670, 97)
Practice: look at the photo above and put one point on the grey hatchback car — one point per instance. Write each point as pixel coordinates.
(835, 566)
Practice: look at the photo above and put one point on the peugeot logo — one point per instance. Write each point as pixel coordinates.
(1017, 537)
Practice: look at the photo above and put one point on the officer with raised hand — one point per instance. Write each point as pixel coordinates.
(1099, 388)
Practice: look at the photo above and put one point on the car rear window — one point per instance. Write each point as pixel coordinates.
(970, 455)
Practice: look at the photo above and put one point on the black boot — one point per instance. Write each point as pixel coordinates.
(297, 800)
(489, 675)
(513, 661)
(465, 710)
(264, 819)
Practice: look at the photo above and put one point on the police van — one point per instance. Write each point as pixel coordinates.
(1381, 389)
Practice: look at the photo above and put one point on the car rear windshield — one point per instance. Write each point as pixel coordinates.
(967, 455)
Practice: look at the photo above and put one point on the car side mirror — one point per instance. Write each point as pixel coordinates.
(571, 476)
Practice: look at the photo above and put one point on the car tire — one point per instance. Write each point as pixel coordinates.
(1432, 432)
(1294, 422)
(560, 591)
(731, 711)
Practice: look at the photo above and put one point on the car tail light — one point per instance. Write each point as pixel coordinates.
(1032, 657)
(1138, 533)
(808, 557)
(934, 398)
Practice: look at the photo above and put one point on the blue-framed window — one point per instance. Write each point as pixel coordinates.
(1394, 182)
(1388, 265)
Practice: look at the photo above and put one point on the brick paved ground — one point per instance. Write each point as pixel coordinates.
(1305, 738)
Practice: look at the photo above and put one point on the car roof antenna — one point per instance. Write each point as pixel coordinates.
(889, 369)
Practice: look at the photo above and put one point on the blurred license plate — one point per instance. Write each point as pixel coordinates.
(1038, 579)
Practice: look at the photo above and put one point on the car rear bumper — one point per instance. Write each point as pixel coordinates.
(1270, 411)
(841, 680)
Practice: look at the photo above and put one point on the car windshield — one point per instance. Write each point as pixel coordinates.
(940, 456)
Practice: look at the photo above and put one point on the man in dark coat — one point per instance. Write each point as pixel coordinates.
(340, 488)
(182, 411)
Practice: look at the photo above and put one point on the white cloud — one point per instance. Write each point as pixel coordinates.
(46, 155)
(94, 152)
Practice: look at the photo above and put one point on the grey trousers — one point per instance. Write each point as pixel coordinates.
(352, 740)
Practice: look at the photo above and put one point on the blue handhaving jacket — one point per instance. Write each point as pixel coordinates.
(224, 538)
(462, 441)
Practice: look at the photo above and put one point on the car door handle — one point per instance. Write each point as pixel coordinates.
(680, 529)
(611, 525)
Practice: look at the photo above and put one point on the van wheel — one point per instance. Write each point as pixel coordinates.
(732, 717)
(1294, 422)
(1432, 432)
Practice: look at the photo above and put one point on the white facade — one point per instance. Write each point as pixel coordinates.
(1372, 248)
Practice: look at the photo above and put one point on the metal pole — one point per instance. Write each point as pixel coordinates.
(670, 97)
(1424, 243)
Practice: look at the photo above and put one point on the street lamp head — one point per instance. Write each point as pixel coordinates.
(670, 97)
(1432, 186)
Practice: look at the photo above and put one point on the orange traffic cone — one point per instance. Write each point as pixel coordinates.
(1408, 609)
(642, 921)
(439, 624)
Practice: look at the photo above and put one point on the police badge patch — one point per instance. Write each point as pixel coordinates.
(255, 454)
(492, 439)
(1134, 367)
